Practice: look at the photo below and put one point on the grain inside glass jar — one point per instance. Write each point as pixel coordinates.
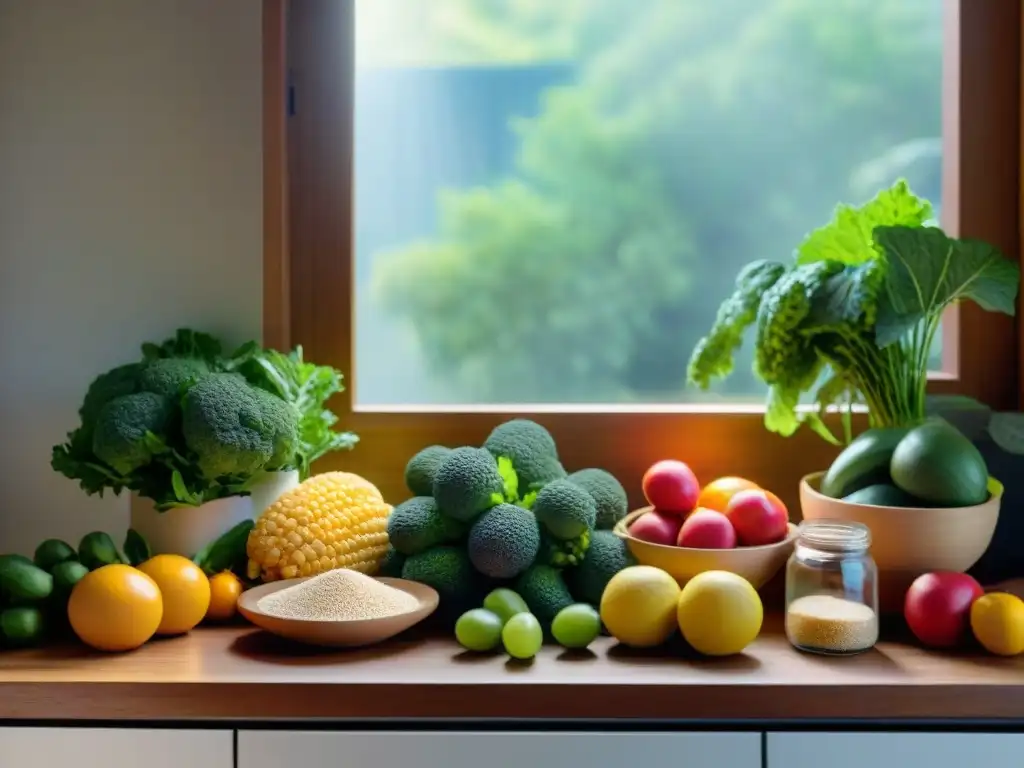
(829, 624)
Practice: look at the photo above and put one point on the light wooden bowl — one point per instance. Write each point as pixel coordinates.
(338, 634)
(909, 541)
(756, 564)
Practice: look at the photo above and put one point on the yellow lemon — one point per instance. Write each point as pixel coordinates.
(225, 589)
(638, 606)
(115, 608)
(997, 620)
(719, 613)
(185, 589)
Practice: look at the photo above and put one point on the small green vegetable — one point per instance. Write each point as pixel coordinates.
(522, 636)
(24, 582)
(576, 626)
(97, 549)
(505, 603)
(65, 576)
(226, 552)
(136, 548)
(53, 551)
(478, 630)
(22, 626)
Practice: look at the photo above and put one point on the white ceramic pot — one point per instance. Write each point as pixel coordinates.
(186, 530)
(268, 490)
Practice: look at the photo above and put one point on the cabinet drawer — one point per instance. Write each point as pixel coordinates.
(894, 750)
(115, 748)
(415, 749)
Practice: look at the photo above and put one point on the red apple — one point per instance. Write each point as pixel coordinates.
(758, 516)
(671, 486)
(707, 529)
(937, 607)
(656, 527)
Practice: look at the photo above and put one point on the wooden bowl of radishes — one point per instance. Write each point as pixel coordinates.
(730, 524)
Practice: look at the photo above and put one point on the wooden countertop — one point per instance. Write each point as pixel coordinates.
(241, 673)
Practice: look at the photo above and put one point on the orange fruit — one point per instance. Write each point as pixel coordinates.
(115, 608)
(225, 589)
(185, 589)
(717, 494)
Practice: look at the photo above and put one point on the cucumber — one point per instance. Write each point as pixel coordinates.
(863, 462)
(24, 582)
(22, 626)
(884, 495)
(15, 558)
(65, 576)
(935, 462)
(98, 549)
(53, 551)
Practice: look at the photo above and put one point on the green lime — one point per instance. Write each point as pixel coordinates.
(576, 626)
(478, 630)
(522, 636)
(505, 603)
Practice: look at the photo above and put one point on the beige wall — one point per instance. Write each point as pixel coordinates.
(130, 203)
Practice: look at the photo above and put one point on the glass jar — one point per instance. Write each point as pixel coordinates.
(832, 589)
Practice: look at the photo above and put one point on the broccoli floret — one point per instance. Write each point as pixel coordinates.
(448, 570)
(422, 468)
(531, 449)
(232, 427)
(565, 509)
(417, 524)
(545, 592)
(169, 376)
(608, 493)
(468, 482)
(563, 552)
(282, 420)
(504, 541)
(391, 565)
(606, 556)
(128, 430)
(123, 380)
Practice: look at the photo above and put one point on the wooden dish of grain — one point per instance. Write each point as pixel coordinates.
(339, 609)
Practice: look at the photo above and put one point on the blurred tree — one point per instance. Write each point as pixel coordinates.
(696, 137)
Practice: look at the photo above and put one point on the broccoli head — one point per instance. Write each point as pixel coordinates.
(169, 376)
(504, 541)
(422, 468)
(565, 509)
(417, 524)
(448, 570)
(545, 592)
(608, 494)
(123, 380)
(129, 430)
(234, 428)
(532, 450)
(281, 419)
(606, 556)
(467, 482)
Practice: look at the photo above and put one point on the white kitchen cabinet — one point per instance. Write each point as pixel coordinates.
(460, 749)
(115, 748)
(895, 750)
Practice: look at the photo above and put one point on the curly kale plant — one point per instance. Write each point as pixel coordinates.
(854, 318)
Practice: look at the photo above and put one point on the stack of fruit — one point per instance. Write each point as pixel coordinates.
(114, 601)
(726, 513)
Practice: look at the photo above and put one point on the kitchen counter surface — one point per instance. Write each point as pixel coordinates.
(240, 673)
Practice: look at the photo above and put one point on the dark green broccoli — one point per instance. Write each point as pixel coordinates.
(468, 482)
(504, 541)
(234, 428)
(123, 380)
(422, 468)
(448, 570)
(545, 592)
(391, 565)
(609, 495)
(565, 509)
(532, 450)
(417, 524)
(169, 376)
(129, 430)
(282, 420)
(606, 556)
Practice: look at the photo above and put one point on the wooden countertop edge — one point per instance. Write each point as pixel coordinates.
(271, 701)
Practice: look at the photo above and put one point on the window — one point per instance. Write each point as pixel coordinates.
(500, 207)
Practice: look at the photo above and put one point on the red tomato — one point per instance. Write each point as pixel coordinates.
(671, 486)
(937, 607)
(758, 516)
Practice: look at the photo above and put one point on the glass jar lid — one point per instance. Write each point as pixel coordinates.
(835, 536)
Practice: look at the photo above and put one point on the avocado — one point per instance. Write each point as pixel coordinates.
(884, 495)
(936, 463)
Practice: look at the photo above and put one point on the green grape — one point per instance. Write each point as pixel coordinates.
(478, 630)
(505, 603)
(522, 636)
(576, 626)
